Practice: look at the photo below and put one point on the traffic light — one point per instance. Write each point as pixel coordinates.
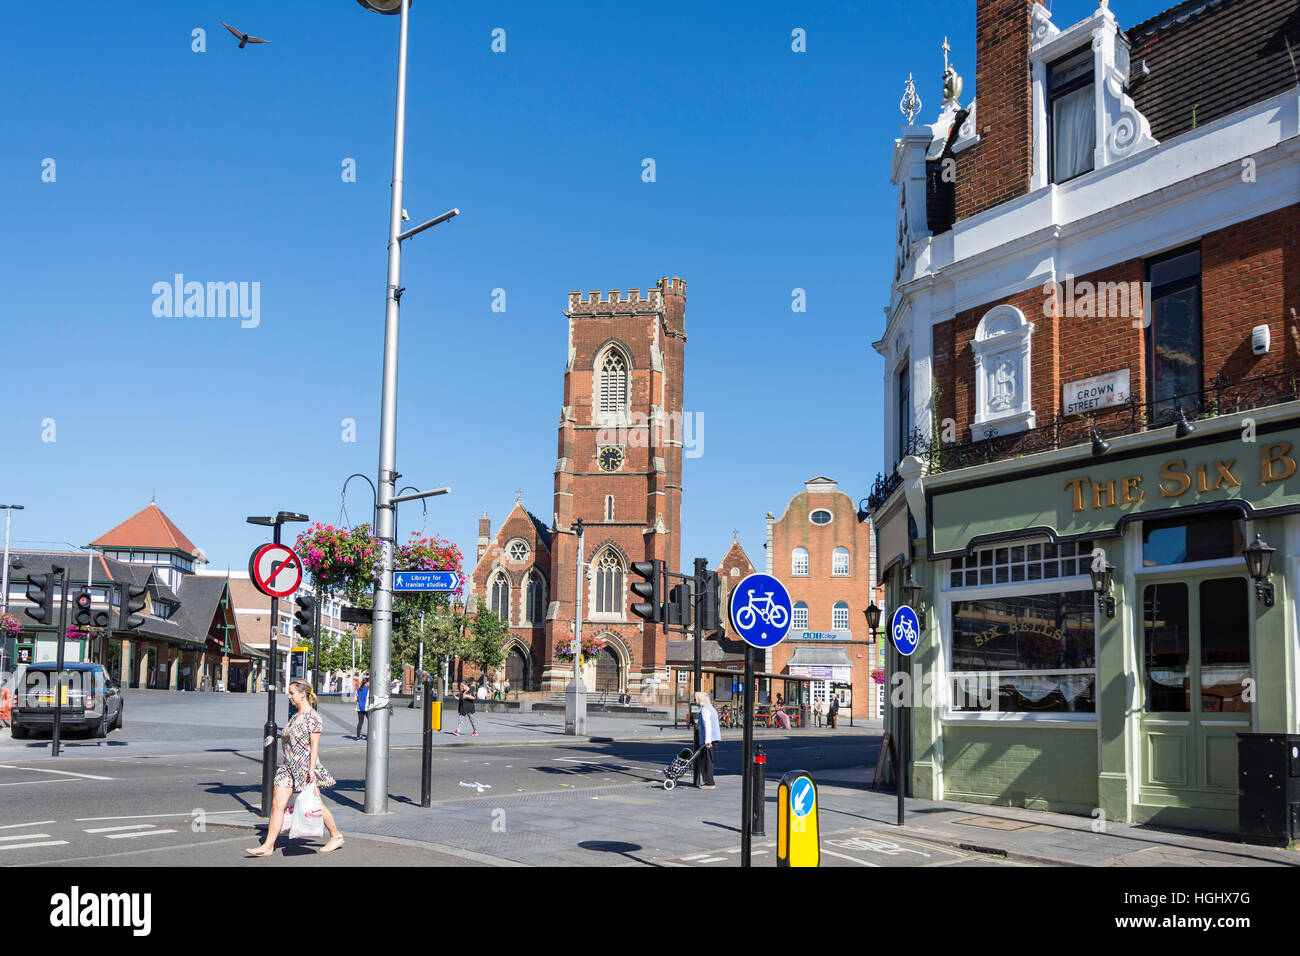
(303, 617)
(677, 612)
(708, 609)
(40, 591)
(132, 601)
(650, 590)
(83, 615)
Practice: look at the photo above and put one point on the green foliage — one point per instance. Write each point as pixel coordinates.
(487, 637)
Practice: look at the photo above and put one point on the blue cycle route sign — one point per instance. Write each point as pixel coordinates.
(760, 610)
(906, 630)
(426, 580)
(801, 797)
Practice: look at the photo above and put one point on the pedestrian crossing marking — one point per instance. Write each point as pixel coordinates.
(128, 836)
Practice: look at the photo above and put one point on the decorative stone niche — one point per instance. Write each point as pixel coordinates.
(1002, 362)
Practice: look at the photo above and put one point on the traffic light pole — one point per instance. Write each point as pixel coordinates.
(747, 763)
(700, 574)
(58, 671)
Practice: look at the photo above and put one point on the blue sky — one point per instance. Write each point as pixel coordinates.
(772, 174)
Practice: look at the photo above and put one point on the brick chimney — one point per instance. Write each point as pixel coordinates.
(998, 167)
(484, 535)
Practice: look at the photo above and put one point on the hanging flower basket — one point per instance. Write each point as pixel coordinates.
(10, 626)
(878, 675)
(341, 559)
(591, 648)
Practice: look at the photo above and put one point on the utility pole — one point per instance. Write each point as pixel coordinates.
(9, 510)
(701, 566)
(58, 689)
(575, 695)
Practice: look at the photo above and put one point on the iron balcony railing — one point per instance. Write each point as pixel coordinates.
(1221, 398)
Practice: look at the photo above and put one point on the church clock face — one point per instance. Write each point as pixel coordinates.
(611, 458)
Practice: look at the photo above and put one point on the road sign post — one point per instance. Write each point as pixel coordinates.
(760, 614)
(905, 632)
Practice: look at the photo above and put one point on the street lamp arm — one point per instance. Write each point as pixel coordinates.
(436, 220)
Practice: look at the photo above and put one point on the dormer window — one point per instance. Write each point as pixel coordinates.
(1071, 116)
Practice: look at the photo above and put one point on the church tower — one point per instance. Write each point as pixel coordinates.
(619, 469)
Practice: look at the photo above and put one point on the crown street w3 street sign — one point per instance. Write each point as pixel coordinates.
(426, 580)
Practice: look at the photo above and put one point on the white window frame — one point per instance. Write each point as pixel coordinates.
(818, 511)
(838, 608)
(510, 547)
(807, 563)
(794, 616)
(836, 570)
(600, 413)
(944, 674)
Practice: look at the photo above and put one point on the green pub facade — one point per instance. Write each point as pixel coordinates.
(1093, 500)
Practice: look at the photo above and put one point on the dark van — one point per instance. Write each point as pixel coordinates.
(88, 699)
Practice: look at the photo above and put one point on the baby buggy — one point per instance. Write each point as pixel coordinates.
(681, 763)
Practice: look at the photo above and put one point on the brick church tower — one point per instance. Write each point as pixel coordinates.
(619, 469)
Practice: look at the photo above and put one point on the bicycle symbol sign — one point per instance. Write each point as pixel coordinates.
(760, 610)
(906, 630)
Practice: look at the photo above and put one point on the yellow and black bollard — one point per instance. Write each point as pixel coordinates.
(798, 837)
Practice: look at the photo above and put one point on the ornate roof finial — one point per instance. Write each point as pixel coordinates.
(519, 496)
(951, 80)
(910, 104)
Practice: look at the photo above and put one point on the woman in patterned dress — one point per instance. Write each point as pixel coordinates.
(300, 768)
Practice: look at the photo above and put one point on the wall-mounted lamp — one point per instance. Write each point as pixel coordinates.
(1183, 427)
(1101, 580)
(1259, 557)
(873, 619)
(1099, 445)
(912, 598)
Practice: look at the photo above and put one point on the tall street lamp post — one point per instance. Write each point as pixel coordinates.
(382, 620)
(575, 695)
(4, 588)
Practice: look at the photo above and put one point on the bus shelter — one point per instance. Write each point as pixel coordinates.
(725, 688)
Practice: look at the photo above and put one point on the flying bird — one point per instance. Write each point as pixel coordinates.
(244, 38)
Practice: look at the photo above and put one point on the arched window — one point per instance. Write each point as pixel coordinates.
(799, 617)
(536, 598)
(607, 583)
(609, 507)
(612, 388)
(799, 562)
(500, 596)
(840, 562)
(517, 550)
(840, 616)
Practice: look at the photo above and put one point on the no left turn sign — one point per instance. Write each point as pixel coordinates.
(275, 570)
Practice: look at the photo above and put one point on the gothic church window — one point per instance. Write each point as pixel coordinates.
(500, 595)
(536, 598)
(607, 572)
(613, 384)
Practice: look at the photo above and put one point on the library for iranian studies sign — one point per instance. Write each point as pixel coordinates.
(1098, 392)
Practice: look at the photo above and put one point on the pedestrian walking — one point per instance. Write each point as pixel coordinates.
(506, 688)
(464, 710)
(300, 768)
(710, 734)
(363, 698)
(817, 712)
(834, 710)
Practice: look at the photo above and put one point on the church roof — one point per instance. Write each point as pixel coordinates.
(148, 530)
(737, 558)
(543, 532)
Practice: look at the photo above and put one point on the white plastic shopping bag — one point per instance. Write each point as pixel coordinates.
(308, 815)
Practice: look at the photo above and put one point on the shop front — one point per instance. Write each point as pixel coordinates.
(1095, 639)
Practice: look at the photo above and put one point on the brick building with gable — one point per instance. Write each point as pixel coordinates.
(619, 470)
(1092, 361)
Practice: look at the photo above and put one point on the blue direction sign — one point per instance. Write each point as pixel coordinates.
(760, 610)
(801, 796)
(906, 630)
(426, 580)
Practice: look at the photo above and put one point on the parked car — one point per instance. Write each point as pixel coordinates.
(90, 699)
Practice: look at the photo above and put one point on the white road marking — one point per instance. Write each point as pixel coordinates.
(25, 836)
(62, 773)
(757, 852)
(128, 836)
(134, 826)
(697, 856)
(21, 846)
(152, 816)
(14, 826)
(710, 859)
(852, 859)
(23, 783)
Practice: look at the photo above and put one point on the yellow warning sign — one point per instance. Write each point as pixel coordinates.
(798, 838)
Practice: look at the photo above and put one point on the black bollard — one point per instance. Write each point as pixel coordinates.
(760, 790)
(426, 768)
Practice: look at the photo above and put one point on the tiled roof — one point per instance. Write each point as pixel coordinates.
(147, 529)
(543, 532)
(1211, 58)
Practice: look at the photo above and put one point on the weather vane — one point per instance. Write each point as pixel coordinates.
(910, 104)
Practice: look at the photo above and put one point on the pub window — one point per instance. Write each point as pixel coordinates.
(799, 617)
(1071, 112)
(1197, 538)
(1031, 654)
(1013, 563)
(1174, 360)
